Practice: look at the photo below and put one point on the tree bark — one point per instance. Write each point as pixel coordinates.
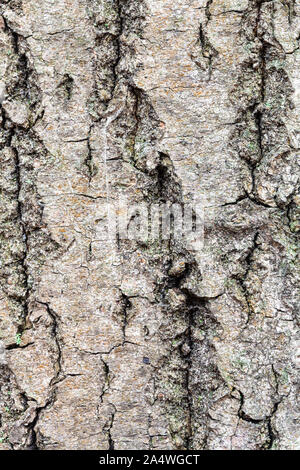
(111, 342)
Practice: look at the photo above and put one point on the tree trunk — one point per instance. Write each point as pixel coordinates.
(118, 338)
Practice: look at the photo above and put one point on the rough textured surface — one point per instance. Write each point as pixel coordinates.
(128, 345)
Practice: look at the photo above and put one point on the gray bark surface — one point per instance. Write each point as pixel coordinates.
(131, 345)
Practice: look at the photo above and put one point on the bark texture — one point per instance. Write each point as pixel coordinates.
(149, 346)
